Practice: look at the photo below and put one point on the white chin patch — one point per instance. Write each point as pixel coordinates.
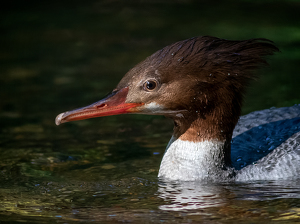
(153, 107)
(158, 109)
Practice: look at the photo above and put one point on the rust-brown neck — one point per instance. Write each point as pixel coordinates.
(212, 120)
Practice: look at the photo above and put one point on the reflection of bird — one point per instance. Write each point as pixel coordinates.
(199, 83)
(191, 195)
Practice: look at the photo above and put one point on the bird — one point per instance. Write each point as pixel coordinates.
(199, 83)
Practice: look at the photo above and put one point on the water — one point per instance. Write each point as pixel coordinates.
(59, 56)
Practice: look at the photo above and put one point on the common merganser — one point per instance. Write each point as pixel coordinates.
(199, 83)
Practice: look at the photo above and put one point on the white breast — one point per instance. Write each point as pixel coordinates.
(189, 161)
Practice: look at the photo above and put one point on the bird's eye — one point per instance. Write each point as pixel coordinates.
(150, 85)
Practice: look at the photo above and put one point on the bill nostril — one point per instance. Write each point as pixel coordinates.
(101, 106)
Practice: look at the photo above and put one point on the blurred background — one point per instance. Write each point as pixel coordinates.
(59, 55)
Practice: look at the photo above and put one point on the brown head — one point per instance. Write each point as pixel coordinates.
(198, 82)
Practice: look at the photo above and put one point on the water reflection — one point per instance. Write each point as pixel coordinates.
(190, 195)
(134, 199)
(185, 196)
(266, 190)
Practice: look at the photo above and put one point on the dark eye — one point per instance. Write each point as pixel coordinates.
(150, 85)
